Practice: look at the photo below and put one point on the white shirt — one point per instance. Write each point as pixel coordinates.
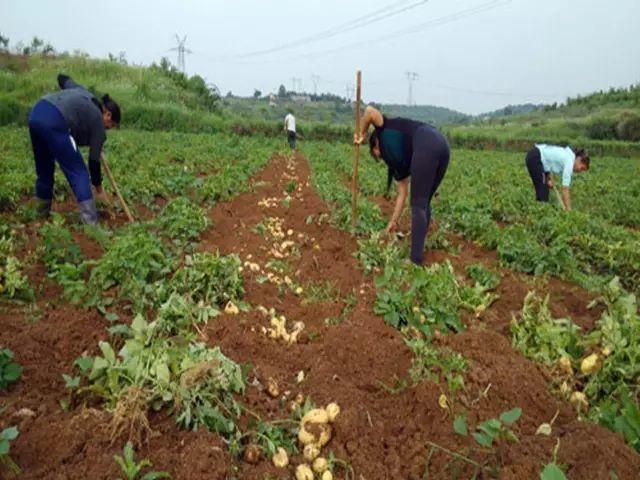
(290, 122)
(558, 160)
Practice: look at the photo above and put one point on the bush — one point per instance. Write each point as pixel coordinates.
(601, 128)
(628, 127)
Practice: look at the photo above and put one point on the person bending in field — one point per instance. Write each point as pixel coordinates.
(411, 149)
(290, 128)
(542, 160)
(58, 124)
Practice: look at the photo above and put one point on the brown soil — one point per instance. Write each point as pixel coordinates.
(354, 361)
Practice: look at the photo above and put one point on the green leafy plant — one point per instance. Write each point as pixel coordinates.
(10, 371)
(182, 221)
(7, 436)
(132, 470)
(14, 284)
(540, 336)
(483, 276)
(492, 430)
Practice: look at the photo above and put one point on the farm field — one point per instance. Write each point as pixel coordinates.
(240, 301)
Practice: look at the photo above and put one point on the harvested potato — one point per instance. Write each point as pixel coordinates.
(320, 464)
(327, 475)
(303, 472)
(310, 452)
(565, 365)
(333, 409)
(316, 415)
(579, 401)
(272, 388)
(591, 364)
(231, 309)
(305, 437)
(280, 459)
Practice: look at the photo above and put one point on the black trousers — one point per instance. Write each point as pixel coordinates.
(428, 166)
(291, 137)
(536, 172)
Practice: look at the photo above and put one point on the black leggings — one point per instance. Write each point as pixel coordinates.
(534, 165)
(428, 166)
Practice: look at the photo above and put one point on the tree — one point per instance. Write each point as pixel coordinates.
(4, 43)
(282, 92)
(257, 93)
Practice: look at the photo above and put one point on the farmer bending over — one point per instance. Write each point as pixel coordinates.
(58, 124)
(410, 149)
(542, 160)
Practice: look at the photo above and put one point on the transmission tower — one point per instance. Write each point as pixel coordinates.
(349, 90)
(411, 78)
(315, 79)
(296, 84)
(182, 50)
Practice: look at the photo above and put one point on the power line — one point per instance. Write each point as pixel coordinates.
(391, 10)
(315, 79)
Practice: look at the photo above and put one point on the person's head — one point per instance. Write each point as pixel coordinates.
(582, 161)
(110, 112)
(290, 111)
(374, 145)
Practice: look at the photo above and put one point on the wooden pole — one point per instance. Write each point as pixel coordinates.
(117, 190)
(354, 179)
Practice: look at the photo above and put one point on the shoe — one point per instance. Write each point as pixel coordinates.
(88, 212)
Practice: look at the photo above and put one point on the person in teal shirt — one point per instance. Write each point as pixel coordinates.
(543, 160)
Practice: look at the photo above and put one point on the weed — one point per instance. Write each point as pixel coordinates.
(132, 470)
(10, 371)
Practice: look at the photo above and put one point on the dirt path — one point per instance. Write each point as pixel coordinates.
(348, 355)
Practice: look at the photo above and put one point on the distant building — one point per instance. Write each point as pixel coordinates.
(300, 98)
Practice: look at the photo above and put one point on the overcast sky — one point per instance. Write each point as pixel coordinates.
(470, 55)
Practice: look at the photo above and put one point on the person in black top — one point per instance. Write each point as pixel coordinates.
(58, 124)
(410, 149)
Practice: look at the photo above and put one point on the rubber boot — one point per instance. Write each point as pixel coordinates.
(88, 212)
(43, 207)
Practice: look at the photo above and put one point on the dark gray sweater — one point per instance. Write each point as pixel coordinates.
(83, 113)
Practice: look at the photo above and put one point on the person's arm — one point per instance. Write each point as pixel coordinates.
(372, 116)
(401, 198)
(389, 182)
(566, 198)
(65, 82)
(548, 179)
(95, 151)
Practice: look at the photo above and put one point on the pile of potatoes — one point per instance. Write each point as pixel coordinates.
(277, 329)
(315, 432)
(589, 365)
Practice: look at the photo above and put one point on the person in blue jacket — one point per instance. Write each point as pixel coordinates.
(543, 160)
(59, 123)
(414, 152)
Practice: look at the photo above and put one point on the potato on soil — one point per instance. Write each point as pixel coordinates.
(565, 365)
(333, 410)
(252, 454)
(579, 401)
(303, 472)
(327, 475)
(311, 452)
(272, 388)
(280, 459)
(320, 464)
(316, 415)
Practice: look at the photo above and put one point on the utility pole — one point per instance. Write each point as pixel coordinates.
(181, 49)
(296, 84)
(315, 79)
(411, 78)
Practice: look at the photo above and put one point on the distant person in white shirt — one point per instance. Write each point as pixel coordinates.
(542, 160)
(290, 128)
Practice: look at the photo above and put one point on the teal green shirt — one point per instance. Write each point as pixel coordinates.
(557, 160)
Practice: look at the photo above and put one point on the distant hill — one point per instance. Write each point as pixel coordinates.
(425, 113)
(512, 110)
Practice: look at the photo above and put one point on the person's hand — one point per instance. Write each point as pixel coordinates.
(101, 195)
(550, 182)
(392, 227)
(358, 138)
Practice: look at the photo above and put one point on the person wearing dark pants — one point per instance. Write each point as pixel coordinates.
(58, 124)
(543, 159)
(412, 150)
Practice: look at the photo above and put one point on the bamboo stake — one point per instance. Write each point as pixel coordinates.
(354, 180)
(117, 190)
